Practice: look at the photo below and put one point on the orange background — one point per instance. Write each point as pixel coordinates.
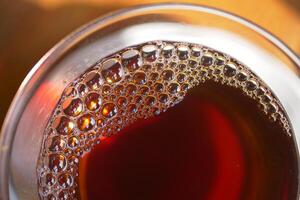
(29, 28)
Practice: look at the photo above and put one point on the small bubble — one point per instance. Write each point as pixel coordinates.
(192, 63)
(174, 88)
(207, 60)
(131, 59)
(150, 100)
(251, 85)
(93, 101)
(78, 151)
(50, 180)
(180, 78)
(139, 78)
(72, 107)
(144, 90)
(132, 108)
(184, 87)
(149, 52)
(112, 70)
(73, 160)
(168, 75)
(167, 50)
(158, 87)
(196, 51)
(138, 99)
(65, 180)
(63, 125)
(229, 70)
(121, 101)
(82, 89)
(119, 89)
(56, 143)
(63, 195)
(260, 91)
(109, 110)
(73, 142)
(131, 89)
(183, 52)
(70, 91)
(266, 98)
(146, 67)
(242, 76)
(51, 197)
(154, 76)
(86, 122)
(220, 61)
(93, 80)
(57, 162)
(272, 107)
(163, 98)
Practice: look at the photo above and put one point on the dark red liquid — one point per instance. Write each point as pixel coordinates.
(216, 144)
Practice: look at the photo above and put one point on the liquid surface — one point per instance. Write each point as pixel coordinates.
(207, 147)
(150, 87)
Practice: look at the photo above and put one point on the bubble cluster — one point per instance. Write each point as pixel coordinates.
(135, 83)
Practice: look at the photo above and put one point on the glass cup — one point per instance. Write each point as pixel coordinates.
(22, 131)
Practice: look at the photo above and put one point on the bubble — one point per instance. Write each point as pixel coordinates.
(183, 52)
(167, 50)
(150, 100)
(131, 89)
(174, 88)
(63, 195)
(242, 76)
(266, 98)
(122, 101)
(51, 197)
(163, 98)
(167, 75)
(180, 78)
(154, 76)
(86, 122)
(112, 70)
(65, 180)
(139, 78)
(196, 51)
(73, 142)
(149, 52)
(132, 108)
(159, 87)
(82, 89)
(220, 61)
(57, 162)
(119, 89)
(63, 125)
(56, 143)
(251, 85)
(144, 90)
(131, 59)
(50, 180)
(229, 70)
(109, 110)
(207, 60)
(93, 80)
(193, 63)
(73, 160)
(72, 107)
(272, 107)
(93, 101)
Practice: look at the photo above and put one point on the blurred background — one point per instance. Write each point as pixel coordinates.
(29, 28)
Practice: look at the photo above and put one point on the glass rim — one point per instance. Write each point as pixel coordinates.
(41, 68)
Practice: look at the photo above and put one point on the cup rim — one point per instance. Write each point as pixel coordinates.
(32, 79)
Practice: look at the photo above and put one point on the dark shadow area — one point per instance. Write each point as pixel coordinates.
(27, 32)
